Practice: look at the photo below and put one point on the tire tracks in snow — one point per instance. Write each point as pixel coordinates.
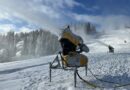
(19, 69)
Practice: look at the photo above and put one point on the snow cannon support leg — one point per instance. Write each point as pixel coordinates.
(50, 71)
(86, 69)
(75, 77)
(84, 62)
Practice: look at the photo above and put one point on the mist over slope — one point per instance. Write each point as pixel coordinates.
(119, 39)
(37, 43)
(18, 46)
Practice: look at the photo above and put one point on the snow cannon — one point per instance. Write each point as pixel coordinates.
(72, 46)
(111, 49)
(71, 57)
(125, 41)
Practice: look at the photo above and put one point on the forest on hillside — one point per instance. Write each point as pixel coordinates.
(35, 43)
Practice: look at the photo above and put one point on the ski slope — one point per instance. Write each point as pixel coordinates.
(33, 74)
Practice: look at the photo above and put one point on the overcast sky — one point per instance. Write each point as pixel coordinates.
(26, 15)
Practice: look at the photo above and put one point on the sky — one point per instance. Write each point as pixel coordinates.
(28, 15)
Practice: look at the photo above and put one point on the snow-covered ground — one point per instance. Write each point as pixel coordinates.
(33, 74)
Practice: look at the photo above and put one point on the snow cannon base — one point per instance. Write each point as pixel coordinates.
(75, 60)
(69, 62)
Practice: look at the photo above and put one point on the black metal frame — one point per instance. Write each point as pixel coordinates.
(62, 66)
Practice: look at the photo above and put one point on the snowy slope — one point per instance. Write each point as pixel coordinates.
(33, 74)
(110, 67)
(115, 38)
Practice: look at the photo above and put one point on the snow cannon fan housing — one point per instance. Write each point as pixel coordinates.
(69, 43)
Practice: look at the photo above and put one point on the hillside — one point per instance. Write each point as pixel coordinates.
(37, 43)
(33, 74)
